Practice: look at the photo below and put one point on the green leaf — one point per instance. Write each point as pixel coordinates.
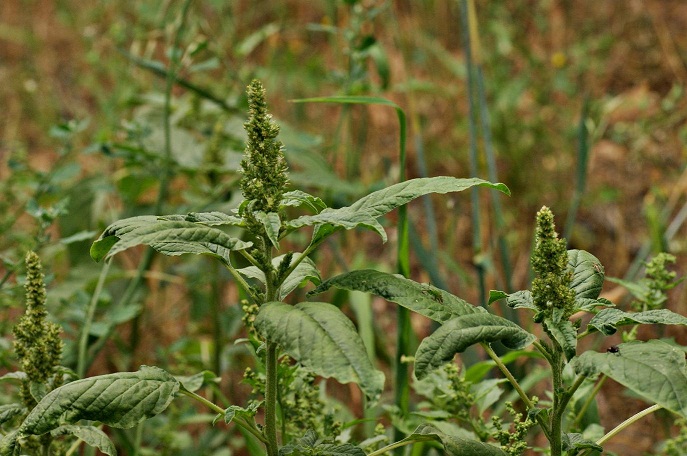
(168, 237)
(234, 410)
(655, 370)
(193, 383)
(367, 210)
(213, 218)
(89, 434)
(119, 400)
(311, 444)
(320, 337)
(518, 300)
(588, 274)
(16, 377)
(298, 198)
(272, 224)
(454, 446)
(457, 334)
(565, 334)
(607, 320)
(574, 441)
(9, 411)
(427, 300)
(305, 272)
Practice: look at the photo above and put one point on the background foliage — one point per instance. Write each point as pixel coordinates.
(586, 103)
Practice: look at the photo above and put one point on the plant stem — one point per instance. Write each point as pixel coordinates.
(626, 423)
(589, 400)
(271, 380)
(555, 439)
(90, 313)
(271, 399)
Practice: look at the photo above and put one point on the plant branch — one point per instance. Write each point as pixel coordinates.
(90, 313)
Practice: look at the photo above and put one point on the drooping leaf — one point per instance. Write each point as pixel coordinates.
(167, 237)
(214, 218)
(16, 377)
(655, 370)
(89, 434)
(272, 224)
(575, 441)
(427, 300)
(119, 400)
(366, 211)
(457, 334)
(320, 337)
(455, 446)
(306, 271)
(588, 274)
(608, 320)
(298, 198)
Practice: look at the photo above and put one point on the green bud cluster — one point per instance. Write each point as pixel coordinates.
(513, 442)
(264, 166)
(37, 341)
(658, 281)
(551, 287)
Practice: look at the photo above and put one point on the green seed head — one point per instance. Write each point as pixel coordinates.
(551, 288)
(264, 166)
(37, 341)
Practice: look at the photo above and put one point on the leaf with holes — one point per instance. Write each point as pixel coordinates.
(457, 334)
(427, 300)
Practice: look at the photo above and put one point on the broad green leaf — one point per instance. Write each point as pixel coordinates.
(588, 305)
(427, 300)
(214, 218)
(305, 272)
(8, 443)
(574, 441)
(119, 400)
(454, 446)
(89, 434)
(608, 320)
(320, 337)
(655, 370)
(518, 300)
(272, 224)
(367, 210)
(298, 198)
(16, 377)
(168, 237)
(588, 274)
(457, 334)
(565, 334)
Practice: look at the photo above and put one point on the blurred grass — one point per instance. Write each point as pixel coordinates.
(541, 64)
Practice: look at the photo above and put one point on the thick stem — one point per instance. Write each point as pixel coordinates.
(556, 438)
(271, 399)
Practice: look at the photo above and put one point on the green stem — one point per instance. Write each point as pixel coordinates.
(271, 399)
(90, 313)
(589, 400)
(636, 417)
(555, 439)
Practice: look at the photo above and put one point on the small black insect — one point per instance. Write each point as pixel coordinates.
(613, 349)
